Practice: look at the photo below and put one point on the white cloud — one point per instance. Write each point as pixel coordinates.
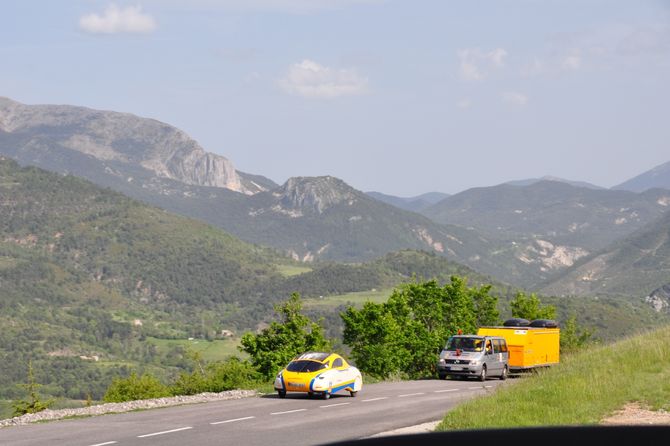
(312, 80)
(474, 61)
(572, 62)
(514, 98)
(534, 68)
(118, 20)
(464, 103)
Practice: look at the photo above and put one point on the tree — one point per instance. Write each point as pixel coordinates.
(406, 333)
(276, 345)
(530, 307)
(34, 402)
(574, 337)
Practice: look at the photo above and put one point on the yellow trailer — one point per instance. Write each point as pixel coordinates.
(529, 347)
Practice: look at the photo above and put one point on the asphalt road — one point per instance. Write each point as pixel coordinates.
(267, 420)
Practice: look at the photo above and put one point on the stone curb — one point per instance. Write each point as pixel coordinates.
(49, 415)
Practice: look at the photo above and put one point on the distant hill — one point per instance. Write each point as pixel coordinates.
(66, 138)
(658, 177)
(413, 204)
(635, 266)
(551, 225)
(531, 181)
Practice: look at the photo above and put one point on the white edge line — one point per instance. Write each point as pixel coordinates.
(473, 388)
(375, 399)
(333, 405)
(288, 411)
(445, 390)
(165, 432)
(104, 444)
(488, 387)
(411, 394)
(233, 420)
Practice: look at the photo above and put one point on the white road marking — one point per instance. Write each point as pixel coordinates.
(334, 405)
(488, 387)
(233, 420)
(411, 394)
(445, 390)
(472, 388)
(165, 432)
(104, 444)
(375, 399)
(288, 411)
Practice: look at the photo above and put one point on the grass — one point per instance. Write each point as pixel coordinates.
(585, 388)
(216, 350)
(7, 262)
(357, 299)
(6, 409)
(292, 270)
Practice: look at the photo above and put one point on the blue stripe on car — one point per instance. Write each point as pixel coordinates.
(311, 383)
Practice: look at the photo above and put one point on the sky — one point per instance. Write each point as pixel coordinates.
(396, 96)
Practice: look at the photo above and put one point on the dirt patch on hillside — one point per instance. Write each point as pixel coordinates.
(635, 414)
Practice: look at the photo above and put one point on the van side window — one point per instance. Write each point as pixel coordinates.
(489, 349)
(496, 346)
(337, 363)
(503, 346)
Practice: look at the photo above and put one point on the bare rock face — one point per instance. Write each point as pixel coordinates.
(315, 194)
(165, 150)
(660, 299)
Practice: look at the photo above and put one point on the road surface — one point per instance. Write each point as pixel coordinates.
(264, 421)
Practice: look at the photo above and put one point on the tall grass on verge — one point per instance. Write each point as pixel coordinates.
(585, 388)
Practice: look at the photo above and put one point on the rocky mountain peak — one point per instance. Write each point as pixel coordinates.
(315, 194)
(111, 136)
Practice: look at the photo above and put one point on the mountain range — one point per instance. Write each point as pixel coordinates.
(658, 177)
(414, 204)
(527, 233)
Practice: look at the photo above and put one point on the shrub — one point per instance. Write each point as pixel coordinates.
(135, 388)
(233, 373)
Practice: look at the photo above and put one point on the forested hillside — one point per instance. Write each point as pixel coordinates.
(86, 275)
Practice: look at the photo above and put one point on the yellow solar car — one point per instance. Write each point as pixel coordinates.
(317, 373)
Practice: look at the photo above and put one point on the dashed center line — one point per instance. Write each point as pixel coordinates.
(104, 444)
(477, 387)
(288, 411)
(334, 405)
(488, 387)
(411, 394)
(445, 390)
(232, 421)
(165, 432)
(375, 399)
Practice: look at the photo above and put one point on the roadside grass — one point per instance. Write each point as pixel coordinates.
(6, 409)
(583, 389)
(357, 299)
(216, 350)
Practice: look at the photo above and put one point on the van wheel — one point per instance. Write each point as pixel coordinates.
(281, 393)
(443, 376)
(326, 395)
(505, 372)
(482, 375)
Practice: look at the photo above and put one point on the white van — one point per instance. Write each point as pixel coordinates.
(475, 356)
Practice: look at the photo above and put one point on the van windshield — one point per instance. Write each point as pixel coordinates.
(466, 344)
